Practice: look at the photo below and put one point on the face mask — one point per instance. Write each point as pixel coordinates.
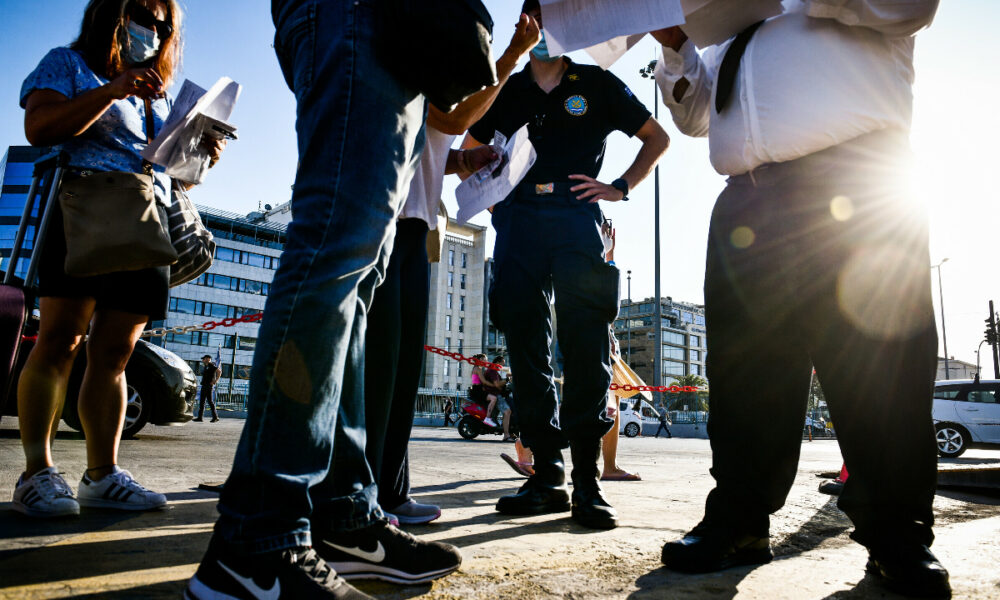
(541, 50)
(143, 44)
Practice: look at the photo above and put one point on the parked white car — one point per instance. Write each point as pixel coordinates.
(632, 420)
(966, 415)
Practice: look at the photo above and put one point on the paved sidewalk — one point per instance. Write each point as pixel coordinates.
(108, 555)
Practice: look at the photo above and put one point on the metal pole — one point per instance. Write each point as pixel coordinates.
(232, 370)
(996, 356)
(628, 316)
(658, 322)
(944, 332)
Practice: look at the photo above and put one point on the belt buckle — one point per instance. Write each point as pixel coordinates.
(544, 188)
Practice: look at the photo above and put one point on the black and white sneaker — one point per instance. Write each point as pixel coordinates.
(381, 551)
(292, 574)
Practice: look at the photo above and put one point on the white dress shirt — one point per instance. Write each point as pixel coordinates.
(425, 187)
(821, 73)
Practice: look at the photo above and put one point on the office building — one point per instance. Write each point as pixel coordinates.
(683, 338)
(15, 180)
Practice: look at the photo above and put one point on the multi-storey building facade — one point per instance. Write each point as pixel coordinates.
(683, 338)
(456, 320)
(15, 179)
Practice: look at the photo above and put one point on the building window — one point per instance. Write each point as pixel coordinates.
(465, 260)
(447, 366)
(696, 341)
(451, 279)
(695, 355)
(462, 284)
(696, 369)
(447, 343)
(461, 324)
(459, 345)
(447, 322)
(459, 369)
(673, 368)
(448, 300)
(461, 303)
(451, 258)
(673, 352)
(672, 337)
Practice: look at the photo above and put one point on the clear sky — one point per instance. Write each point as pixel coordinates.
(956, 138)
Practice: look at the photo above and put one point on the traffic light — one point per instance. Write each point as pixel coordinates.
(991, 334)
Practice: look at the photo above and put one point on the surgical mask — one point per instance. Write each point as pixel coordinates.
(143, 44)
(541, 50)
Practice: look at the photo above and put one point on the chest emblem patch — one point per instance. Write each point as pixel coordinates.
(576, 105)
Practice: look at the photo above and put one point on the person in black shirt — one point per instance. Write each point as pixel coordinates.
(210, 373)
(549, 240)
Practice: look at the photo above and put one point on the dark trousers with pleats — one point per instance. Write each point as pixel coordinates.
(823, 262)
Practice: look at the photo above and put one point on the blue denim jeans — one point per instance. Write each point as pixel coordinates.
(360, 134)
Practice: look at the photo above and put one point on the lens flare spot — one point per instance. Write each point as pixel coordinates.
(886, 293)
(742, 237)
(841, 208)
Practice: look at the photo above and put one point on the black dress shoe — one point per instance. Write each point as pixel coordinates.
(590, 508)
(197, 419)
(710, 547)
(832, 487)
(911, 570)
(544, 492)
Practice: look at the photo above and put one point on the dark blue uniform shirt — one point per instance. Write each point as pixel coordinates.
(568, 126)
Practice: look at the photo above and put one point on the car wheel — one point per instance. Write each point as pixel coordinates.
(632, 430)
(952, 440)
(138, 405)
(468, 428)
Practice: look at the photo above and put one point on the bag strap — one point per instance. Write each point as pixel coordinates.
(147, 167)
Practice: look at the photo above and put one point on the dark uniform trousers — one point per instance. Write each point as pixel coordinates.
(552, 244)
(823, 261)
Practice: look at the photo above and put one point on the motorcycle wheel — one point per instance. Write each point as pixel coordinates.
(468, 428)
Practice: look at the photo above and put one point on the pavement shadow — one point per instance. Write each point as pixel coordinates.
(560, 523)
(664, 583)
(15, 434)
(866, 588)
(163, 589)
(453, 485)
(827, 522)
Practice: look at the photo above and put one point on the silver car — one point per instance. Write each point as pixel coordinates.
(966, 415)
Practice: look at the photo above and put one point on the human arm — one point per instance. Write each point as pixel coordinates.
(891, 18)
(466, 161)
(685, 80)
(654, 143)
(470, 110)
(50, 117)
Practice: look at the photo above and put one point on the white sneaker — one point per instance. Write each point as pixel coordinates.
(490, 422)
(118, 490)
(45, 494)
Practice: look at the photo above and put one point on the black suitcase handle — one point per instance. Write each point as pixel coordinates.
(48, 173)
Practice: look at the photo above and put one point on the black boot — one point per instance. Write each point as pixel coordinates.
(590, 509)
(544, 492)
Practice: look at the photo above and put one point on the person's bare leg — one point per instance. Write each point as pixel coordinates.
(493, 402)
(609, 449)
(41, 389)
(506, 424)
(113, 336)
(524, 455)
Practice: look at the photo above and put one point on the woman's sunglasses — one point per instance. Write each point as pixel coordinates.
(140, 15)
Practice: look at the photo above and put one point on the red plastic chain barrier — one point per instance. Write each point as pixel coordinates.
(673, 389)
(468, 359)
(29, 338)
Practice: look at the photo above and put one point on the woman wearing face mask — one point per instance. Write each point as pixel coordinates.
(89, 100)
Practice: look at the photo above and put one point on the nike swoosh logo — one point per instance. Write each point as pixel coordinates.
(376, 556)
(258, 592)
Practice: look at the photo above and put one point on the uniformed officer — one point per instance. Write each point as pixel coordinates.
(549, 240)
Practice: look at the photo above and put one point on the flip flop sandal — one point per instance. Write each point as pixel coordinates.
(524, 469)
(623, 477)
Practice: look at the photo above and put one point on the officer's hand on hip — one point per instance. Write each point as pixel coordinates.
(594, 190)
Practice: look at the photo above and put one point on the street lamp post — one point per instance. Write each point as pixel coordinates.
(647, 73)
(628, 320)
(944, 332)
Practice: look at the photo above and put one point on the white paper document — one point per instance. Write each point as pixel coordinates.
(709, 22)
(195, 114)
(607, 53)
(497, 180)
(576, 24)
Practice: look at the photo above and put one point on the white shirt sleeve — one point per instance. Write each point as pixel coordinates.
(891, 18)
(691, 114)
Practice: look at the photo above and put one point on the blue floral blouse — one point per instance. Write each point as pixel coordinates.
(116, 140)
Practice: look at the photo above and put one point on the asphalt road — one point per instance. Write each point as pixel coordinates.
(104, 554)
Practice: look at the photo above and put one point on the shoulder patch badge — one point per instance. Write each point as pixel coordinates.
(576, 105)
(573, 77)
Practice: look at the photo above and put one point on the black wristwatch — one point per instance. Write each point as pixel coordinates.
(621, 185)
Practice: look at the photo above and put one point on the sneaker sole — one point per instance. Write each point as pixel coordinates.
(101, 503)
(366, 570)
(755, 557)
(34, 512)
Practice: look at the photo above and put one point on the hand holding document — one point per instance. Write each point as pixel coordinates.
(196, 114)
(497, 180)
(577, 24)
